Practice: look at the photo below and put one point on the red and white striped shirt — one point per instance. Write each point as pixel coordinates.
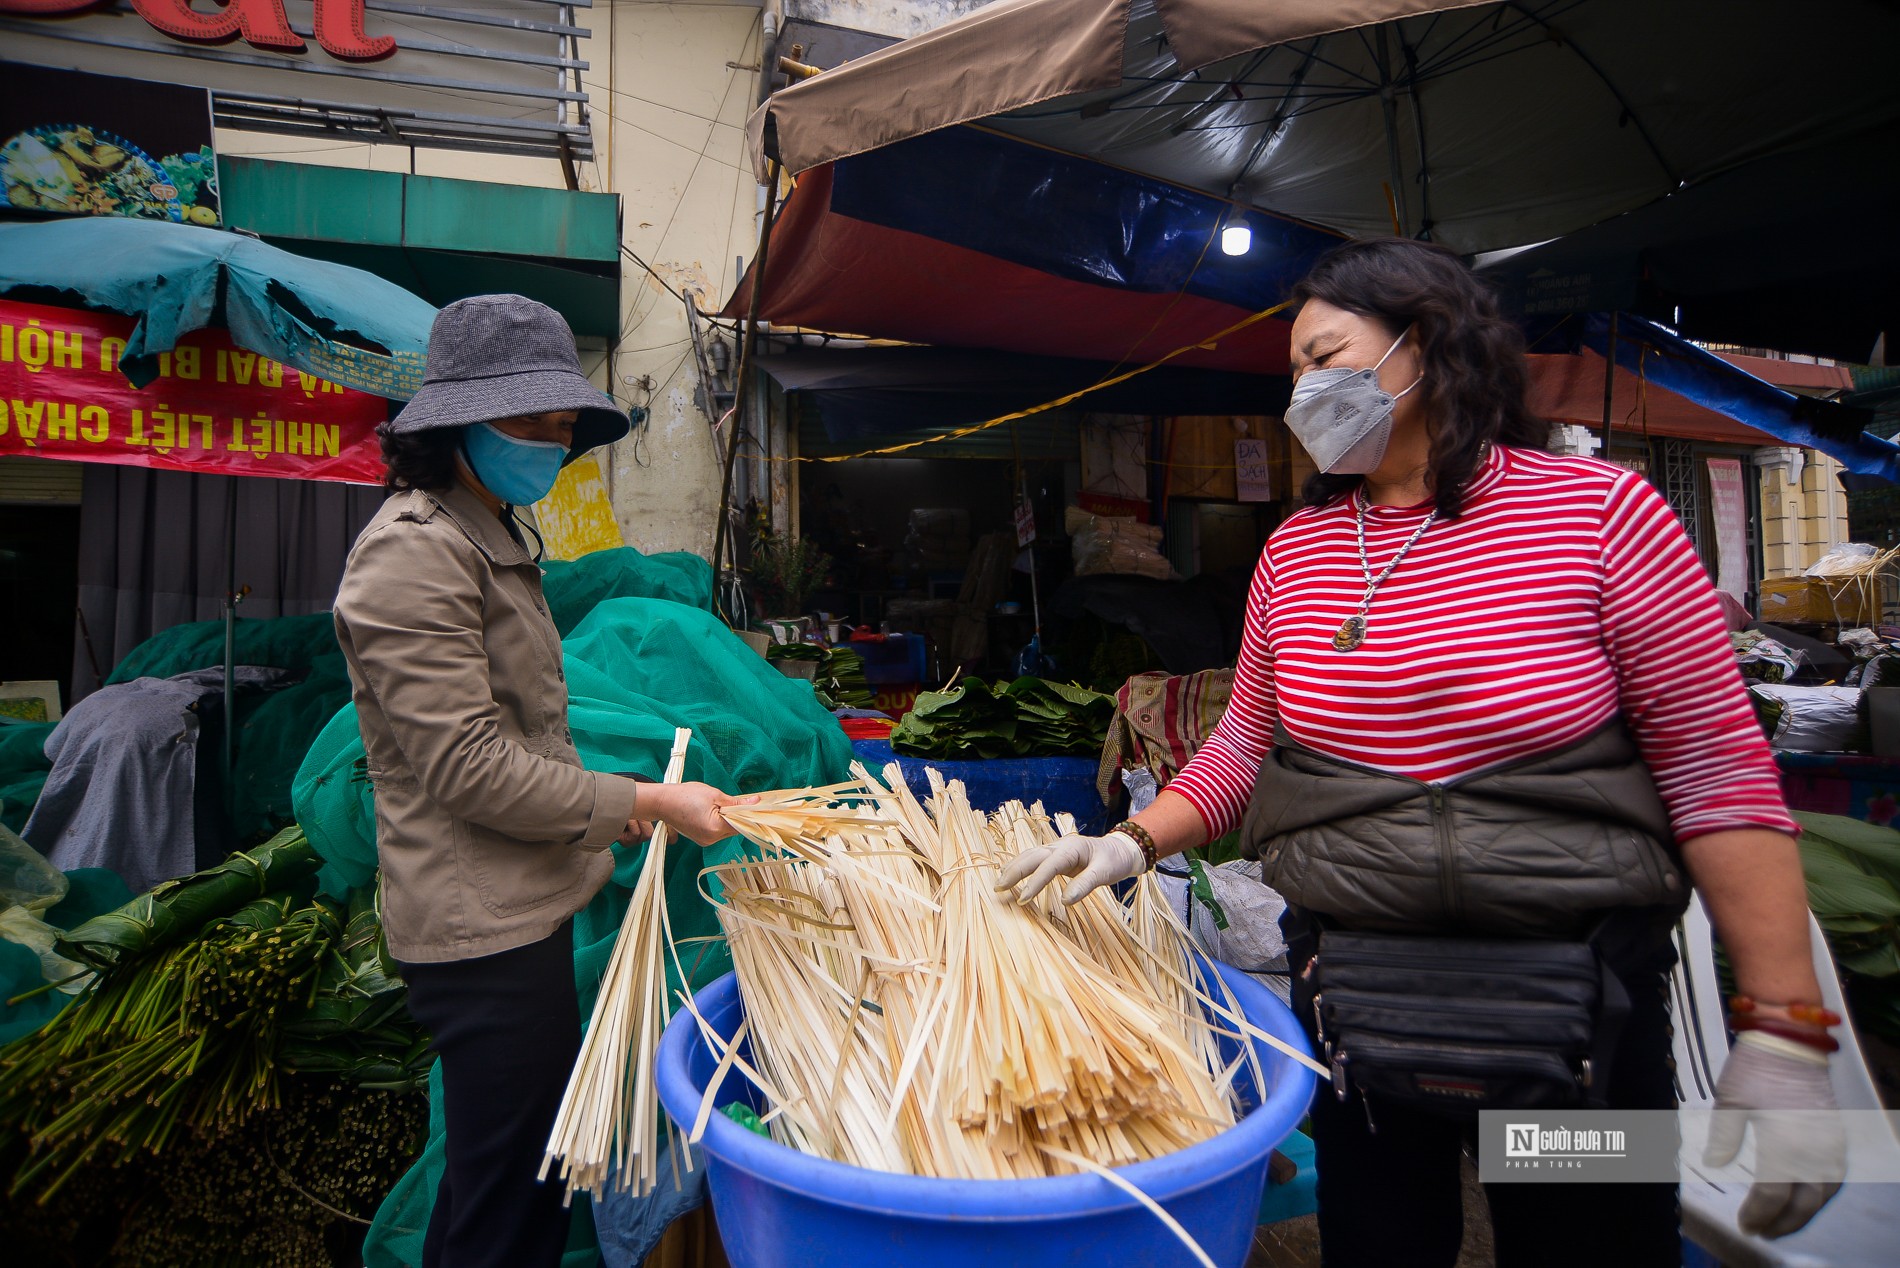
(1566, 593)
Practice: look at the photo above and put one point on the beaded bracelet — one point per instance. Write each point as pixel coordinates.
(1142, 838)
(1819, 1040)
(1805, 1013)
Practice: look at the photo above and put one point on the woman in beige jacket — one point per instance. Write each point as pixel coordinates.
(489, 832)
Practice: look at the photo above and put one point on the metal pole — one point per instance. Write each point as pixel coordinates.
(1609, 385)
(742, 388)
(1388, 91)
(230, 634)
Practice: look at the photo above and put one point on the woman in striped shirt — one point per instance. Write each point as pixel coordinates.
(1454, 600)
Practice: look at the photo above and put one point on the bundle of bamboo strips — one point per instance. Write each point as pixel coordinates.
(904, 1016)
(608, 1128)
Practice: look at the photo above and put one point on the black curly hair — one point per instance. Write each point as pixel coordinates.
(420, 459)
(1473, 359)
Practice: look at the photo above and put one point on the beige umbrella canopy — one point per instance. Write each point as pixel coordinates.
(1482, 125)
(1017, 53)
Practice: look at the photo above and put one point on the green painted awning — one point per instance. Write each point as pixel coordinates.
(443, 239)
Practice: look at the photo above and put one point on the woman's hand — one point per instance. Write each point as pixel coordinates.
(1800, 1148)
(1171, 820)
(692, 810)
(1094, 861)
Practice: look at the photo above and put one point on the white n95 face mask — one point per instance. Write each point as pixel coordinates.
(1343, 417)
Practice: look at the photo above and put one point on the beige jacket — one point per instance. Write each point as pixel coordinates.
(489, 832)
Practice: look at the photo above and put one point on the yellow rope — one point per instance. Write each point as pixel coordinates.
(1060, 401)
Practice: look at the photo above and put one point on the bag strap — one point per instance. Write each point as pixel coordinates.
(1628, 940)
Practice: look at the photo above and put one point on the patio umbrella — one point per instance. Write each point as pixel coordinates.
(338, 323)
(1483, 126)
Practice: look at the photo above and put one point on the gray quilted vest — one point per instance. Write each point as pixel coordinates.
(1538, 848)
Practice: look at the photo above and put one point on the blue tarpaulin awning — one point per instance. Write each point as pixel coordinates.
(333, 321)
(1659, 356)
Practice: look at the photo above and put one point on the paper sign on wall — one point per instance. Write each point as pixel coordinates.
(1729, 503)
(1251, 471)
(575, 518)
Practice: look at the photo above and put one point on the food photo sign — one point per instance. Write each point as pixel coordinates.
(95, 145)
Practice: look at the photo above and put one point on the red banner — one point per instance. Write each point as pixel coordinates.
(214, 408)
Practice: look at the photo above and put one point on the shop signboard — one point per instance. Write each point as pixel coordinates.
(214, 408)
(1729, 504)
(1252, 478)
(95, 145)
(501, 76)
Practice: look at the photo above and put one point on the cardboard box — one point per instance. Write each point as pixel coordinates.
(1843, 601)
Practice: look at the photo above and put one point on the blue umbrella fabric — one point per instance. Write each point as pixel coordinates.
(339, 323)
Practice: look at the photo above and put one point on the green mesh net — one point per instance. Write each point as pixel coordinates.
(23, 768)
(636, 669)
(275, 729)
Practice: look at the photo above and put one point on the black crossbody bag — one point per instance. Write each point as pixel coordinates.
(1458, 1025)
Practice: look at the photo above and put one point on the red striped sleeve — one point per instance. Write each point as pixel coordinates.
(1565, 594)
(1678, 684)
(1219, 778)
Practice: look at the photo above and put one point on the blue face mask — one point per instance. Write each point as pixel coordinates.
(519, 472)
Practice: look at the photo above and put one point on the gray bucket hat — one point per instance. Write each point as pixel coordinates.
(500, 356)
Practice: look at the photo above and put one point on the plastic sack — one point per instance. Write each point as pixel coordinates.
(21, 926)
(1814, 719)
(26, 878)
(1843, 561)
(1763, 659)
(1108, 544)
(1232, 915)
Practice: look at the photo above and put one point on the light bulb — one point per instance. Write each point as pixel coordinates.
(1236, 239)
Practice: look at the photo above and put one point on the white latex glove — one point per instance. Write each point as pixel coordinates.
(1093, 861)
(1765, 1074)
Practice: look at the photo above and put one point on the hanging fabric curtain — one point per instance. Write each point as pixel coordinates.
(153, 553)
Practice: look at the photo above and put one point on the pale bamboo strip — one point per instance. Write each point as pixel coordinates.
(608, 1126)
(905, 1017)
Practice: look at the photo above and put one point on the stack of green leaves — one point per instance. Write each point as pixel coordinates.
(176, 910)
(355, 1027)
(1057, 717)
(1853, 876)
(1030, 717)
(777, 652)
(208, 996)
(967, 721)
(837, 673)
(841, 683)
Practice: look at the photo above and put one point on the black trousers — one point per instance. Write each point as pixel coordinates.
(507, 1028)
(1390, 1186)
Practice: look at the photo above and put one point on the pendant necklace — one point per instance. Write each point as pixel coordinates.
(1352, 631)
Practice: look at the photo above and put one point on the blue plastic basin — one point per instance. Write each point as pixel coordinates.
(779, 1208)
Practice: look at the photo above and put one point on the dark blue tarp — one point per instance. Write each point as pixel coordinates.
(1059, 783)
(1669, 361)
(1074, 218)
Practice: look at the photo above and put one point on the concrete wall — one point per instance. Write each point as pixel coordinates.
(668, 115)
(670, 86)
(899, 19)
(1803, 509)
